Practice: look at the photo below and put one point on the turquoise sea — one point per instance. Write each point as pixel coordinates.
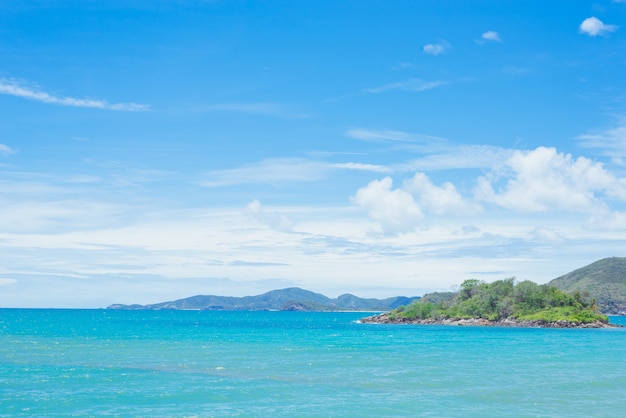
(262, 364)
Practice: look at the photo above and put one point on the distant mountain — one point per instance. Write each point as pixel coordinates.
(292, 299)
(604, 280)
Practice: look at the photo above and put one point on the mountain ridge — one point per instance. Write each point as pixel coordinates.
(603, 280)
(292, 298)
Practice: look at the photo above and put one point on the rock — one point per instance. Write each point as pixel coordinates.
(507, 322)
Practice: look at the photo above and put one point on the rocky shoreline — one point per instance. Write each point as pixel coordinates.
(508, 322)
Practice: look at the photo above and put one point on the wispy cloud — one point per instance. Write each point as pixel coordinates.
(453, 156)
(282, 170)
(438, 48)
(436, 153)
(363, 167)
(6, 150)
(374, 135)
(275, 220)
(413, 84)
(258, 108)
(270, 171)
(611, 142)
(13, 88)
(424, 142)
(403, 66)
(593, 26)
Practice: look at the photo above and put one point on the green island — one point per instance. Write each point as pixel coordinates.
(500, 303)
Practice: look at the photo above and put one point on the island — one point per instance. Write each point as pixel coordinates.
(500, 303)
(290, 299)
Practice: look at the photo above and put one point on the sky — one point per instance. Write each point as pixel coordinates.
(156, 150)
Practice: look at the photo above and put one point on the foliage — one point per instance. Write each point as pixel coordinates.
(506, 299)
(603, 280)
(438, 297)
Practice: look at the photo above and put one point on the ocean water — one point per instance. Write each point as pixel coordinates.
(297, 364)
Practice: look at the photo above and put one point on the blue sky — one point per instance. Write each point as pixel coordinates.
(153, 150)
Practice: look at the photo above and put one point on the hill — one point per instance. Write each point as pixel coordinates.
(503, 303)
(292, 298)
(603, 280)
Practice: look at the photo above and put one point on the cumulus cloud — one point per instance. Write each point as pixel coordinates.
(13, 88)
(6, 150)
(275, 220)
(402, 209)
(439, 200)
(436, 49)
(413, 84)
(394, 210)
(491, 36)
(593, 26)
(543, 180)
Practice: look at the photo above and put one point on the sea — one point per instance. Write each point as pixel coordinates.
(56, 362)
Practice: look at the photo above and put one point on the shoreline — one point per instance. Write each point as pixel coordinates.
(482, 322)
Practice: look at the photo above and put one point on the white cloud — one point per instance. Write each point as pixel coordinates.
(394, 210)
(491, 36)
(611, 142)
(439, 200)
(546, 235)
(544, 180)
(613, 221)
(413, 84)
(452, 156)
(12, 88)
(275, 220)
(6, 150)
(400, 210)
(593, 26)
(282, 170)
(271, 171)
(362, 167)
(436, 49)
(384, 135)
(23, 215)
(391, 136)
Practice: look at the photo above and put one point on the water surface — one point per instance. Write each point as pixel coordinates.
(190, 363)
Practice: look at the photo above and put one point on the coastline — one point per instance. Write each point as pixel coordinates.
(482, 322)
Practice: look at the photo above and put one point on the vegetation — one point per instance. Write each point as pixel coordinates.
(504, 299)
(604, 280)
